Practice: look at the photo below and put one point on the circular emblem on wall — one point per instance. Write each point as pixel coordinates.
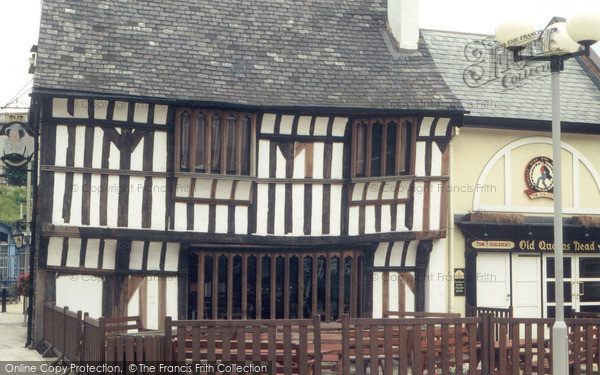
(539, 178)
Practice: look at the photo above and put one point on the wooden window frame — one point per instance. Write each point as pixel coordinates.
(401, 148)
(208, 305)
(225, 114)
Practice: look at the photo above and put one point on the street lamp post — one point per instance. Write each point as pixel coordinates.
(563, 41)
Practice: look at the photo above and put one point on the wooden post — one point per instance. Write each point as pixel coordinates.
(64, 330)
(79, 334)
(102, 338)
(346, 344)
(82, 354)
(317, 343)
(168, 339)
(486, 350)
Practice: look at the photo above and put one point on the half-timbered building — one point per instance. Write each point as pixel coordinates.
(501, 186)
(230, 159)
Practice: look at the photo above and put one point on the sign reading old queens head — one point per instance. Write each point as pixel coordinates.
(16, 145)
(539, 178)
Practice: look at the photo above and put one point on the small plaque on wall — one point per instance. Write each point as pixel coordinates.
(459, 282)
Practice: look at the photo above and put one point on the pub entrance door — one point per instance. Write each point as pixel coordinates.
(581, 283)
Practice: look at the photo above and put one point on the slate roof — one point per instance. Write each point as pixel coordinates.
(487, 82)
(325, 53)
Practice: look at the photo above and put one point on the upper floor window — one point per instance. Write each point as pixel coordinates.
(209, 141)
(382, 147)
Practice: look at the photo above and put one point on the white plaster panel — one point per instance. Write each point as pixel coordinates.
(79, 146)
(298, 209)
(80, 292)
(203, 188)
(172, 257)
(262, 201)
(55, 245)
(370, 219)
(57, 202)
(221, 218)
(120, 111)
(97, 148)
(154, 250)
(268, 123)
(321, 126)
(353, 221)
(380, 254)
(180, 219)
(92, 252)
(113, 200)
(224, 188)
(137, 157)
(160, 114)
(386, 218)
(318, 159)
(285, 126)
(140, 113)
(263, 158)
(337, 160)
(426, 126)
(339, 126)
(136, 199)
(201, 216)
(136, 256)
(279, 209)
(159, 186)
(100, 109)
(442, 126)
(335, 211)
(159, 153)
(241, 220)
(110, 252)
(62, 143)
(316, 223)
(304, 125)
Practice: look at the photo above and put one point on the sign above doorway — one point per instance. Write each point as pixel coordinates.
(539, 178)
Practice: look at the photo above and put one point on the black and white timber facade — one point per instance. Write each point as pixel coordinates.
(166, 190)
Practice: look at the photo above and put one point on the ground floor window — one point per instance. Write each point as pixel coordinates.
(265, 284)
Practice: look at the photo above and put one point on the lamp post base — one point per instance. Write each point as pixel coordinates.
(560, 348)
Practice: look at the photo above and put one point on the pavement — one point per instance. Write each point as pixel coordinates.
(13, 335)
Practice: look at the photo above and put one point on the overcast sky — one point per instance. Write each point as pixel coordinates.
(20, 24)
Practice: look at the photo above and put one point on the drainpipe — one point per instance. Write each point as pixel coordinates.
(450, 256)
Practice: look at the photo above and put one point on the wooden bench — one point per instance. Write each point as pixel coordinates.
(229, 350)
(365, 349)
(117, 326)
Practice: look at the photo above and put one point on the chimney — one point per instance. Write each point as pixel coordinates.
(403, 21)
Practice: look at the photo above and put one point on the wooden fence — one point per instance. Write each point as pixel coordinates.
(62, 330)
(485, 344)
(75, 337)
(291, 346)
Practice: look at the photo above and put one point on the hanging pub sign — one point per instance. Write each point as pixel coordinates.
(532, 246)
(16, 145)
(539, 178)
